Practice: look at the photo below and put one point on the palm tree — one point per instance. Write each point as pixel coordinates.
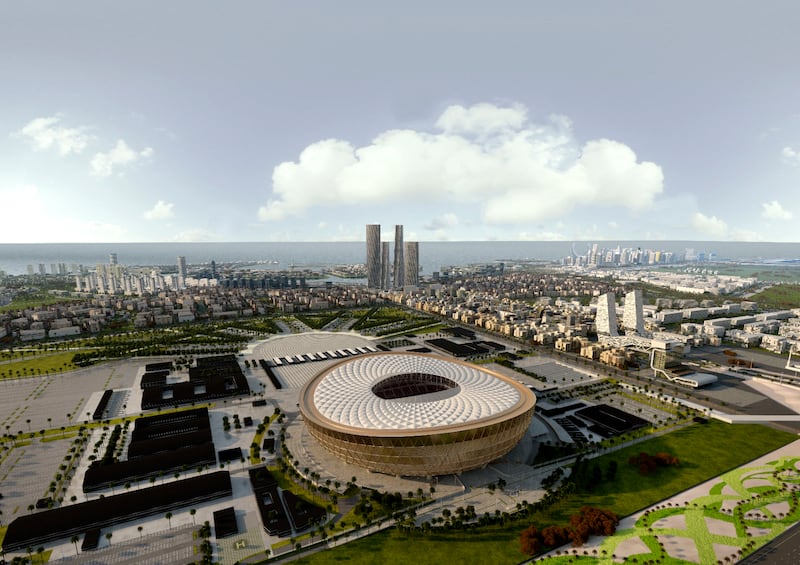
(108, 537)
(168, 516)
(74, 540)
(140, 528)
(192, 512)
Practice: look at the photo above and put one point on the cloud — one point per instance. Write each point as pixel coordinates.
(444, 221)
(515, 170)
(121, 155)
(791, 155)
(45, 133)
(481, 119)
(161, 211)
(774, 211)
(709, 224)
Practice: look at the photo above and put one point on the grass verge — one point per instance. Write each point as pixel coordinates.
(704, 450)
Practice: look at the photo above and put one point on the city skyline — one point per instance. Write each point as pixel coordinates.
(402, 270)
(608, 122)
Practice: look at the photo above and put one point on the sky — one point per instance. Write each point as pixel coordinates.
(463, 121)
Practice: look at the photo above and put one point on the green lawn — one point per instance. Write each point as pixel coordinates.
(38, 365)
(391, 548)
(705, 451)
(34, 300)
(780, 296)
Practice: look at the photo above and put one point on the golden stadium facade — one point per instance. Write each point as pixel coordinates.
(410, 414)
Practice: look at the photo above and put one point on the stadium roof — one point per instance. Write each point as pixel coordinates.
(346, 394)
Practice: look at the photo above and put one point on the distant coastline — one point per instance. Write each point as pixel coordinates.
(14, 257)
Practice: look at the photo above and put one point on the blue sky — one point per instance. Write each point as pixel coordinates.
(303, 121)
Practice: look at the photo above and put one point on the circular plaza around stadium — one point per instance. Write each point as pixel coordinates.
(411, 414)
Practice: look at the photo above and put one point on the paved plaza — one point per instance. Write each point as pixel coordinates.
(70, 398)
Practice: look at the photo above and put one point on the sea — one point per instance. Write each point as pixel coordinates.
(433, 256)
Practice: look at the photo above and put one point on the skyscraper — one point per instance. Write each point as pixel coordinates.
(182, 266)
(632, 315)
(606, 318)
(412, 263)
(399, 263)
(374, 256)
(386, 270)
(112, 259)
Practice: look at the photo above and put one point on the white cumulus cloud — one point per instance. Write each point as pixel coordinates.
(774, 211)
(160, 211)
(516, 170)
(710, 225)
(481, 119)
(790, 155)
(121, 155)
(44, 133)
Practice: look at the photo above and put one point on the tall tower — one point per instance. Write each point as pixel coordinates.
(182, 266)
(374, 255)
(112, 259)
(606, 318)
(399, 263)
(412, 263)
(386, 271)
(632, 315)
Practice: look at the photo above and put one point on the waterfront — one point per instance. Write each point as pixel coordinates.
(434, 255)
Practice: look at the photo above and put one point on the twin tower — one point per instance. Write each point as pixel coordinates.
(405, 268)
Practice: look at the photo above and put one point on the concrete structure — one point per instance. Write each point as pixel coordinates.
(606, 319)
(632, 315)
(412, 263)
(386, 271)
(373, 255)
(399, 262)
(415, 415)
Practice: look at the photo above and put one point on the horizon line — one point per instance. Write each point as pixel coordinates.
(599, 240)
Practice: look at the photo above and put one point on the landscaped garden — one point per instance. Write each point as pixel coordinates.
(704, 451)
(719, 522)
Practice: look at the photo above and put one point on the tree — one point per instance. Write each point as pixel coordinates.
(140, 528)
(530, 541)
(168, 516)
(108, 537)
(74, 540)
(192, 512)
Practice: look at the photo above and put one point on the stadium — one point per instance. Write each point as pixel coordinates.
(410, 414)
